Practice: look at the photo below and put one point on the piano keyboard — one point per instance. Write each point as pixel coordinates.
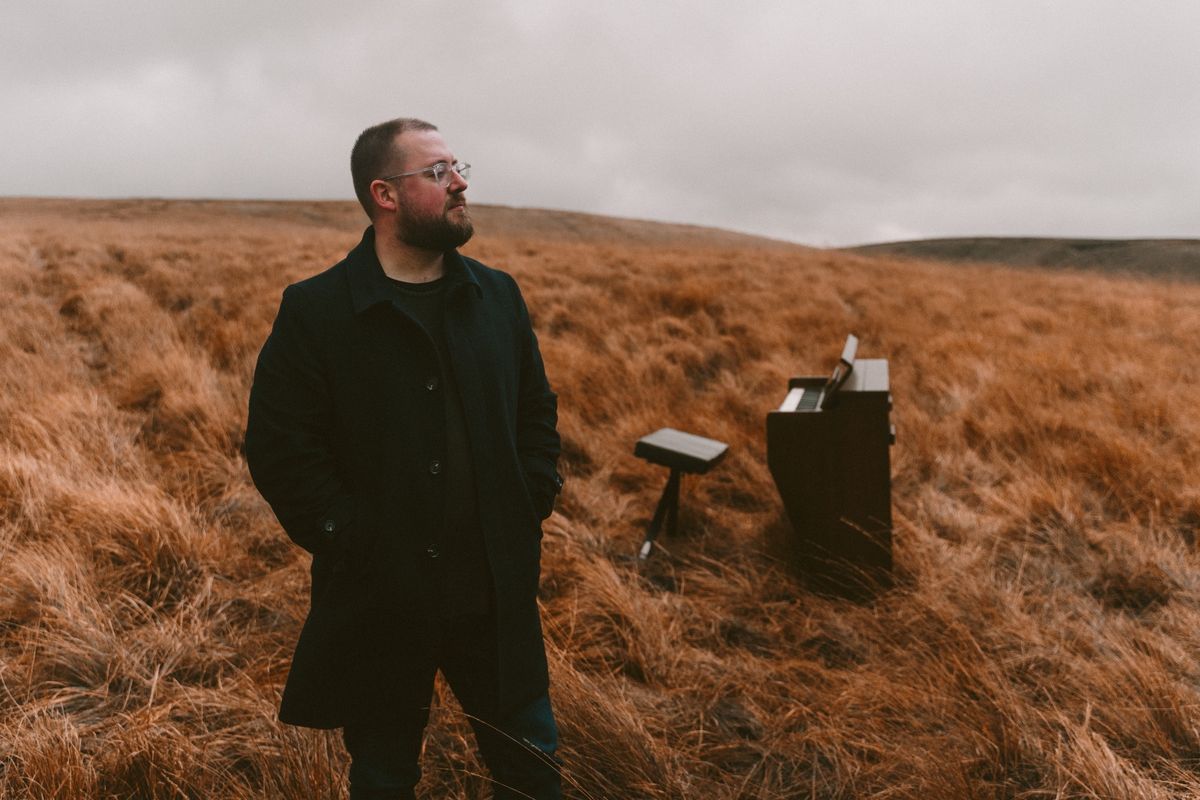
(802, 399)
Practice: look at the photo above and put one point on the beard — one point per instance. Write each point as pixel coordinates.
(434, 232)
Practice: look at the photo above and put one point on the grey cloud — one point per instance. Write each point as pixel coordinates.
(828, 123)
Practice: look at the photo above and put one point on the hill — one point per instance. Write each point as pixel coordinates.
(1173, 258)
(511, 223)
(1040, 641)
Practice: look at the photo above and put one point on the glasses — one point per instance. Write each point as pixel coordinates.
(440, 172)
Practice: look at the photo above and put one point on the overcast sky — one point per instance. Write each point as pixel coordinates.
(827, 122)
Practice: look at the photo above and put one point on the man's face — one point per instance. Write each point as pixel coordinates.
(430, 216)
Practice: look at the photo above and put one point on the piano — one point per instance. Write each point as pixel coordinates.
(828, 452)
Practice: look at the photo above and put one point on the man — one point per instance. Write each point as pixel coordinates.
(403, 431)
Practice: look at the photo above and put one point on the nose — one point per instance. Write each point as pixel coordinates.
(455, 180)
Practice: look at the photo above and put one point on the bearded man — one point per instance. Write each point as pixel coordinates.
(403, 431)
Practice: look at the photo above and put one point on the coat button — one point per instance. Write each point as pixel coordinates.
(432, 551)
(435, 467)
(431, 383)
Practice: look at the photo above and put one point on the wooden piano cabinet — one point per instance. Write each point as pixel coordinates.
(832, 468)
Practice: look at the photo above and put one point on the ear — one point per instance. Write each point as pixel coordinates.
(384, 195)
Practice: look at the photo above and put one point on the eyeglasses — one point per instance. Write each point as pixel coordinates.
(440, 172)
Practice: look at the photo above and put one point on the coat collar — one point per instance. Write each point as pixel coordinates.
(369, 285)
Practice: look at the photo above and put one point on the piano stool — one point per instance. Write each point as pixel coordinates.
(680, 452)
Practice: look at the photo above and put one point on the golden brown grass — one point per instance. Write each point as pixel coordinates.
(1041, 641)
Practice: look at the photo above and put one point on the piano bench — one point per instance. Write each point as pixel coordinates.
(680, 452)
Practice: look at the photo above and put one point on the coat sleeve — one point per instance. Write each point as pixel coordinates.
(288, 433)
(538, 442)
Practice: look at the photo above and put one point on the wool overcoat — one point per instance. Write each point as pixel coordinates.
(346, 441)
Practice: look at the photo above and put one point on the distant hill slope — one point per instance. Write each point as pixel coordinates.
(490, 220)
(1159, 257)
(577, 226)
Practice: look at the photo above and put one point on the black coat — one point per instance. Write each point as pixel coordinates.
(342, 437)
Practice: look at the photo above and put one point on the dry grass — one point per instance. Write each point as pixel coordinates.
(1041, 641)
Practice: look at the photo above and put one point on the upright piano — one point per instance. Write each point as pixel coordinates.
(828, 451)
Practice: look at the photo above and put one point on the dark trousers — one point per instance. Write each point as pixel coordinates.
(516, 745)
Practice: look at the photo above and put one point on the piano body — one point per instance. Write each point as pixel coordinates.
(827, 449)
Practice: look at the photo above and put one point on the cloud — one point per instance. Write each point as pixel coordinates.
(829, 123)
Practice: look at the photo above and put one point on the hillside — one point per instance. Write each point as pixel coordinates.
(1172, 258)
(542, 224)
(1040, 641)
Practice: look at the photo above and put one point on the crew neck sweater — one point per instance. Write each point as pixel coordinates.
(462, 561)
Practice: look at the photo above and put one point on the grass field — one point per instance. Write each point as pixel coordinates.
(1041, 641)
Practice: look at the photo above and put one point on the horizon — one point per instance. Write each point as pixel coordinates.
(645, 220)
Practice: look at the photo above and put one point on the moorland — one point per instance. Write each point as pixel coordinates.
(1040, 640)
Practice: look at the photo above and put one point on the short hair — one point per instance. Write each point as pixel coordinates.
(374, 149)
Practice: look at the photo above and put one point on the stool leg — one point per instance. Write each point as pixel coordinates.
(668, 505)
(673, 484)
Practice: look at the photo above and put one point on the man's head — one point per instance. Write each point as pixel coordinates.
(398, 180)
